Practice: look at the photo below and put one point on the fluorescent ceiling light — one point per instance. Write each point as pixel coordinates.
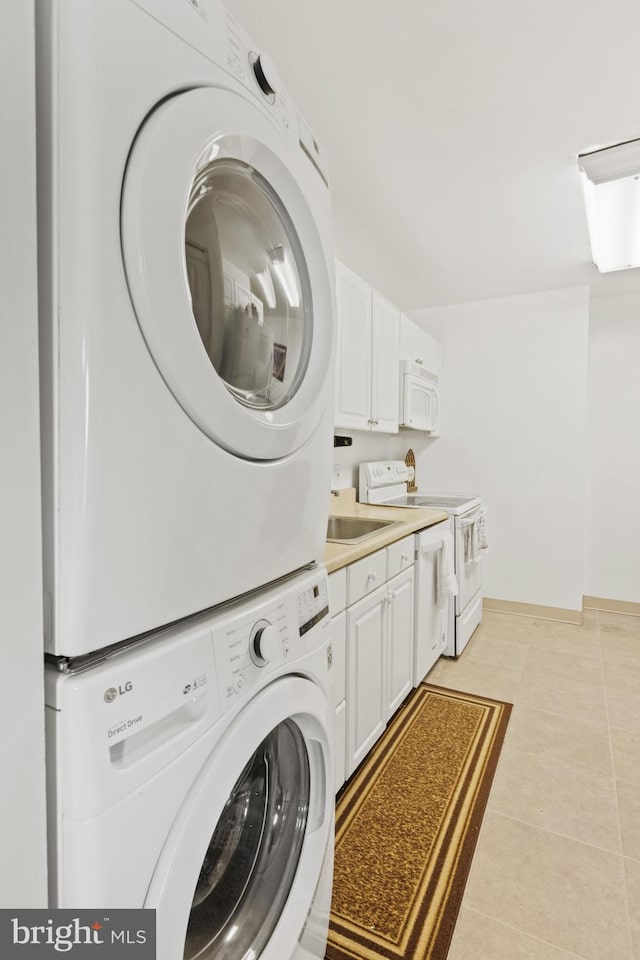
(266, 285)
(285, 274)
(611, 184)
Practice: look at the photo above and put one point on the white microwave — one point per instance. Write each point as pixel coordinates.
(419, 397)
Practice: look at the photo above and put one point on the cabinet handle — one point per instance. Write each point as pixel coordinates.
(404, 557)
(394, 594)
(372, 576)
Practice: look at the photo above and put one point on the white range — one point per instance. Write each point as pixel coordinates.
(384, 482)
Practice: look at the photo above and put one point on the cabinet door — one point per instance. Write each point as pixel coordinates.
(338, 673)
(408, 347)
(385, 370)
(366, 674)
(400, 639)
(419, 346)
(338, 693)
(340, 756)
(353, 356)
(429, 352)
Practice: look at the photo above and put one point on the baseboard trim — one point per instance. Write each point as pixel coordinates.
(611, 606)
(532, 610)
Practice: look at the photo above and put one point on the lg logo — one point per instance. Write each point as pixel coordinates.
(111, 694)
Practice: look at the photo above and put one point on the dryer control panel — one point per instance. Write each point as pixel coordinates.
(257, 72)
(210, 29)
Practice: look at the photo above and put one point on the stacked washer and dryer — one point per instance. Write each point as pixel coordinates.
(186, 343)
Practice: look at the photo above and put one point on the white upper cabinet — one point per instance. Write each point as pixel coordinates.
(419, 347)
(384, 365)
(367, 358)
(353, 355)
(408, 339)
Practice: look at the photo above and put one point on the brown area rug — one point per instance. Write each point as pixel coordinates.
(407, 824)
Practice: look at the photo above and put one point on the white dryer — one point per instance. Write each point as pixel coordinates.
(192, 774)
(186, 318)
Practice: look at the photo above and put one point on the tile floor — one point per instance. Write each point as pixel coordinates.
(556, 872)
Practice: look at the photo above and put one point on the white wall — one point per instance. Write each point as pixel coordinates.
(514, 430)
(367, 446)
(613, 451)
(22, 798)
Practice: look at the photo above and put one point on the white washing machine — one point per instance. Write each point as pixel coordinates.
(186, 318)
(193, 774)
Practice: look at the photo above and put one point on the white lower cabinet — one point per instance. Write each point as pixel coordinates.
(340, 766)
(339, 693)
(337, 604)
(366, 674)
(400, 646)
(372, 604)
(380, 643)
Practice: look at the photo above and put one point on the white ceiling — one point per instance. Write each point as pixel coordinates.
(452, 131)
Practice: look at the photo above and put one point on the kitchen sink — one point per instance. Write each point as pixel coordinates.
(355, 529)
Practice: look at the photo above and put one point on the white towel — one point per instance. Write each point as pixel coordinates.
(475, 543)
(482, 531)
(471, 550)
(447, 582)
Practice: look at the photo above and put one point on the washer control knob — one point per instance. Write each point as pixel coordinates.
(266, 644)
(238, 682)
(266, 75)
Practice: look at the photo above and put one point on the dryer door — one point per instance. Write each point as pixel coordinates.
(239, 871)
(227, 271)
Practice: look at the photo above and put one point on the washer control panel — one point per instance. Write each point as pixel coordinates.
(313, 605)
(265, 644)
(273, 628)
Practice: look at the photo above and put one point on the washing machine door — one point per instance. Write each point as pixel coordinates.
(239, 871)
(227, 271)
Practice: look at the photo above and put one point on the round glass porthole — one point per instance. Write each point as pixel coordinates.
(252, 857)
(249, 288)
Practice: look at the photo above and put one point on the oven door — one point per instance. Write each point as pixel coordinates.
(419, 404)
